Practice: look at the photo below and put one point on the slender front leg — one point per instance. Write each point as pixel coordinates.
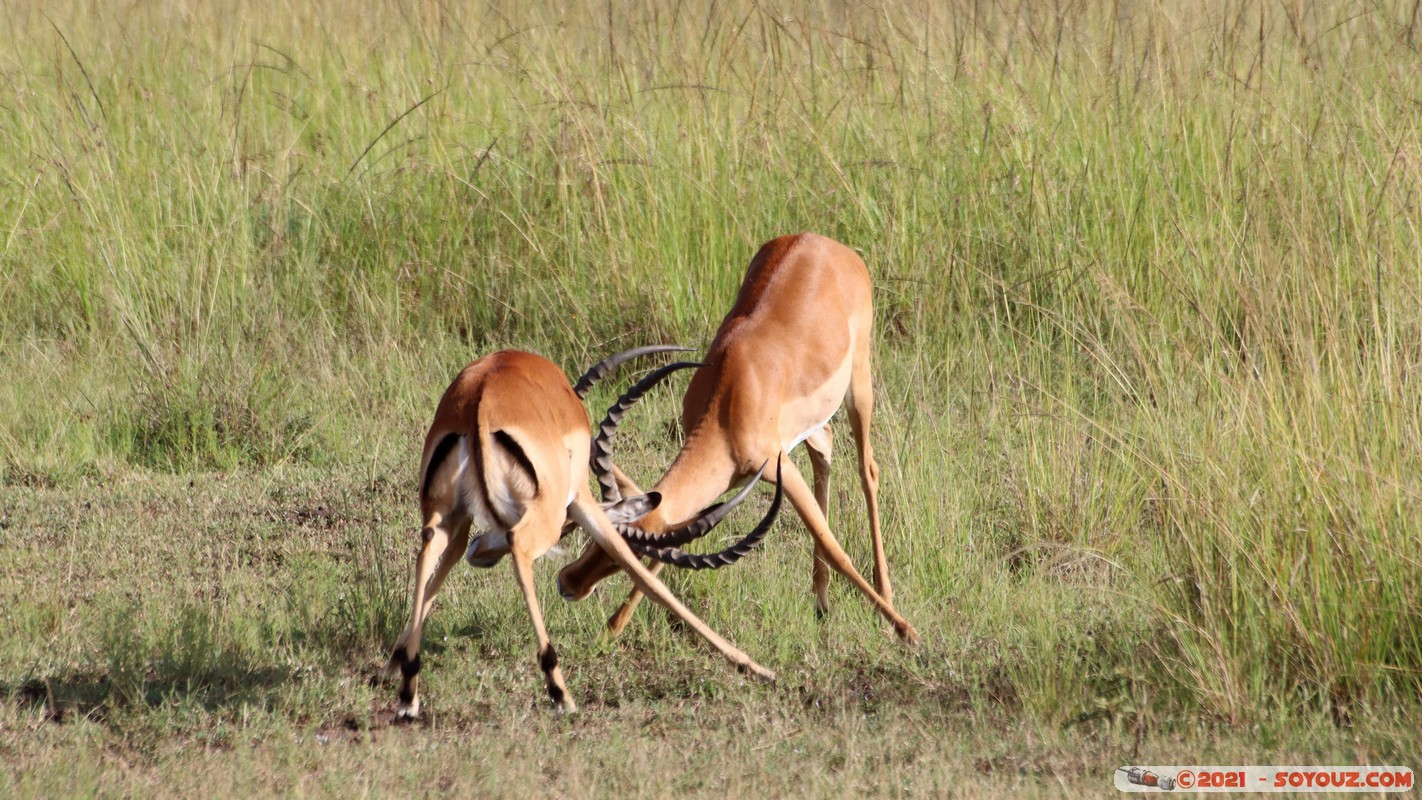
(590, 516)
(803, 499)
(623, 615)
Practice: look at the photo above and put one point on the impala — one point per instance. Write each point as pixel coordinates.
(508, 453)
(795, 344)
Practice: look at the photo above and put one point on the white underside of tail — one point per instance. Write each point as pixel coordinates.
(501, 492)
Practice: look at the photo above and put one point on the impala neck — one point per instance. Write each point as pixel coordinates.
(702, 472)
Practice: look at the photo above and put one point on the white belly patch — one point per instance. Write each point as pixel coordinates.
(811, 431)
(816, 408)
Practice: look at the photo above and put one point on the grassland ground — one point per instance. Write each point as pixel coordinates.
(1148, 407)
(218, 634)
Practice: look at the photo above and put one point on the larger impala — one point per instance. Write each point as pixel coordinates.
(508, 452)
(795, 344)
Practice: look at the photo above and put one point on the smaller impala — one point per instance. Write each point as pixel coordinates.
(508, 452)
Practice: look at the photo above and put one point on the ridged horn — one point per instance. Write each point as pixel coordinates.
(600, 457)
(599, 370)
(698, 527)
(732, 554)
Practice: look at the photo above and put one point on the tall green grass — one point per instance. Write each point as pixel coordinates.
(1147, 279)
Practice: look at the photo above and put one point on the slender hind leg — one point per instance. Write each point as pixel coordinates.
(861, 410)
(451, 558)
(820, 445)
(530, 538)
(432, 565)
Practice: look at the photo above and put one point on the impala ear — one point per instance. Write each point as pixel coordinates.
(632, 509)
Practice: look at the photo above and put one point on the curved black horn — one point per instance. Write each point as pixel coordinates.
(600, 458)
(698, 527)
(599, 370)
(732, 554)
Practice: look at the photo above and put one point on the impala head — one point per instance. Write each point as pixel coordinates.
(653, 536)
(578, 579)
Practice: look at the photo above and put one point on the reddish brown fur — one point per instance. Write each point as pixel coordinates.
(514, 411)
(803, 311)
